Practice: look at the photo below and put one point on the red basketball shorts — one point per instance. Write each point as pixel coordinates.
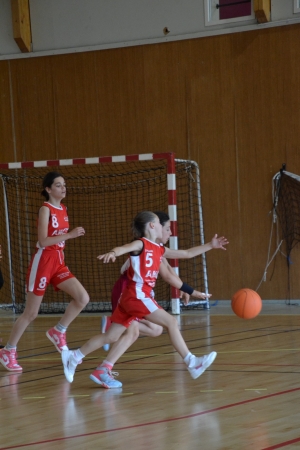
(130, 308)
(46, 267)
(117, 290)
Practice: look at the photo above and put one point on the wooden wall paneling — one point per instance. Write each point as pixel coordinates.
(6, 122)
(165, 99)
(33, 107)
(120, 95)
(211, 137)
(261, 70)
(253, 75)
(75, 109)
(132, 104)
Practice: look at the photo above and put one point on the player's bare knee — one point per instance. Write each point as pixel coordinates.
(86, 299)
(29, 316)
(158, 330)
(172, 322)
(135, 334)
(111, 339)
(82, 299)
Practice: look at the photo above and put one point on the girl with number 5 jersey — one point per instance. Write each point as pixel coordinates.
(137, 300)
(47, 266)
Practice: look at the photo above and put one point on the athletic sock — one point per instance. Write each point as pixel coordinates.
(61, 328)
(107, 364)
(187, 358)
(78, 355)
(10, 347)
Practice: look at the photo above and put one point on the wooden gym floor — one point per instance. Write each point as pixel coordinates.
(248, 399)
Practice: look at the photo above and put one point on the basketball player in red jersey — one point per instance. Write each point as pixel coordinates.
(137, 300)
(146, 328)
(47, 266)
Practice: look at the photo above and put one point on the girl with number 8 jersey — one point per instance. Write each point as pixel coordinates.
(47, 266)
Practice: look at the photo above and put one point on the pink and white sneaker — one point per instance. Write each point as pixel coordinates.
(105, 377)
(8, 360)
(58, 339)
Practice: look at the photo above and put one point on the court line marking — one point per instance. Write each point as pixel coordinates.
(256, 389)
(29, 359)
(158, 422)
(157, 392)
(282, 444)
(26, 398)
(266, 350)
(213, 390)
(166, 392)
(79, 395)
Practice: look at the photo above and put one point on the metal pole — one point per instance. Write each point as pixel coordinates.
(205, 278)
(12, 305)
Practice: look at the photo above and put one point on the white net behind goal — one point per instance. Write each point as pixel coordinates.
(102, 198)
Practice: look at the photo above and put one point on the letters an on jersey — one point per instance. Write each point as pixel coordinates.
(143, 271)
(58, 224)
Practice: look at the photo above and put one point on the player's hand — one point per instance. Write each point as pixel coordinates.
(108, 257)
(185, 297)
(76, 232)
(219, 242)
(201, 295)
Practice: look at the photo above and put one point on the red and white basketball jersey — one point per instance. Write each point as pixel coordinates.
(58, 225)
(143, 270)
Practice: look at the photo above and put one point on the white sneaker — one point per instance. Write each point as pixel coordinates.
(70, 363)
(197, 366)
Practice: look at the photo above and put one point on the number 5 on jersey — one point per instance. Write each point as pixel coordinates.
(149, 259)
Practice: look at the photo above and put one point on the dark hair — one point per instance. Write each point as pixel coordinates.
(140, 221)
(163, 217)
(48, 180)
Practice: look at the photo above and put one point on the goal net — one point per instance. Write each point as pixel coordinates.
(286, 198)
(103, 196)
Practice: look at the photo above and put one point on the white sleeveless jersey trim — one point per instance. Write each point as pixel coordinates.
(150, 305)
(158, 245)
(125, 266)
(53, 206)
(34, 267)
(137, 277)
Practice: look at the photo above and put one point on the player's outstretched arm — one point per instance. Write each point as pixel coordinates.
(215, 243)
(135, 246)
(183, 295)
(173, 279)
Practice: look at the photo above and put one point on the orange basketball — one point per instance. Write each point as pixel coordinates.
(246, 303)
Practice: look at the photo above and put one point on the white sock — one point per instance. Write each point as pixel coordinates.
(187, 358)
(10, 347)
(78, 355)
(61, 328)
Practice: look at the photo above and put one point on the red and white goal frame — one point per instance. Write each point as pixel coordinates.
(171, 187)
